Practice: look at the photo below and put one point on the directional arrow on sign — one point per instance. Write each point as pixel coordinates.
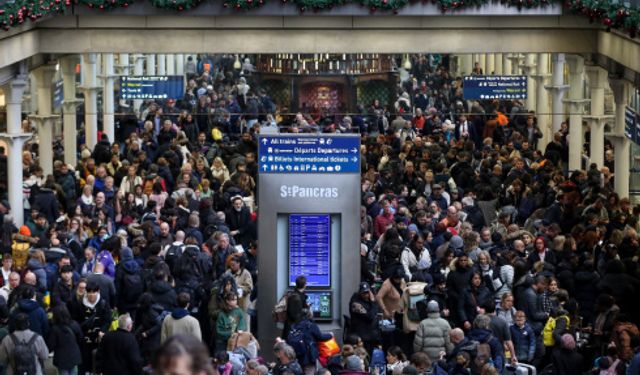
(355, 159)
(264, 141)
(354, 150)
(264, 167)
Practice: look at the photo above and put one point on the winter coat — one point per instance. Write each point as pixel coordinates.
(432, 336)
(180, 322)
(524, 342)
(245, 282)
(529, 302)
(163, 294)
(127, 303)
(61, 293)
(38, 269)
(38, 321)
(389, 299)
(364, 318)
(94, 318)
(119, 354)
(40, 348)
(586, 287)
(48, 204)
(485, 336)
(410, 261)
(228, 323)
(107, 287)
(471, 299)
(434, 294)
(312, 335)
(567, 362)
(147, 323)
(64, 341)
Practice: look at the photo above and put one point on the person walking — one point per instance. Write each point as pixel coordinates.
(24, 350)
(119, 353)
(64, 340)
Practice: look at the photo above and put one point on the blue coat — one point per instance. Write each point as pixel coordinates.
(38, 322)
(524, 342)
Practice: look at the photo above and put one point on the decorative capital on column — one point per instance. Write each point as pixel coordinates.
(70, 105)
(43, 120)
(44, 75)
(15, 138)
(598, 120)
(14, 89)
(89, 89)
(597, 76)
(620, 88)
(576, 104)
(557, 88)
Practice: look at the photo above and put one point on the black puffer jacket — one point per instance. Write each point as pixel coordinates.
(163, 294)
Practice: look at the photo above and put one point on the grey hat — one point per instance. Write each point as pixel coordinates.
(353, 363)
(456, 242)
(433, 306)
(368, 195)
(437, 186)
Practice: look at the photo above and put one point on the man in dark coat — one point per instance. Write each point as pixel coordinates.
(102, 151)
(47, 202)
(119, 353)
(239, 220)
(364, 311)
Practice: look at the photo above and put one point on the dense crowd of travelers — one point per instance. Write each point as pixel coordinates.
(480, 252)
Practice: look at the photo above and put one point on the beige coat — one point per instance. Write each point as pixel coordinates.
(389, 298)
(244, 282)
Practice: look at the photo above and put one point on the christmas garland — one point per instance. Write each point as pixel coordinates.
(610, 13)
(17, 12)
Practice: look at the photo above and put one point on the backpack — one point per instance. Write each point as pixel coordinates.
(172, 255)
(132, 286)
(378, 361)
(413, 294)
(161, 316)
(279, 312)
(299, 341)
(547, 332)
(23, 355)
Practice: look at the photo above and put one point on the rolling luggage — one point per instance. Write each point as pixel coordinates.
(519, 369)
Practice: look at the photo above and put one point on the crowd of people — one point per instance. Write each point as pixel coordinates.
(480, 252)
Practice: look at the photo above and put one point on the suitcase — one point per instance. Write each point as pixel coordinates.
(519, 369)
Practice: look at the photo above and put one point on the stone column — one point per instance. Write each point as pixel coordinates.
(44, 119)
(499, 62)
(558, 89)
(151, 64)
(90, 89)
(123, 64)
(542, 99)
(162, 67)
(482, 58)
(138, 70)
(621, 143)
(171, 64)
(507, 69)
(491, 63)
(466, 64)
(15, 139)
(69, 105)
(576, 104)
(180, 64)
(597, 119)
(529, 69)
(516, 60)
(108, 106)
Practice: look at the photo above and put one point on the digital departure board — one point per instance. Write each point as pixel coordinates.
(310, 249)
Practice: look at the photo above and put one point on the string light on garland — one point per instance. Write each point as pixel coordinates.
(15, 13)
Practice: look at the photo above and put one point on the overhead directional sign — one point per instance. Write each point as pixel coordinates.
(495, 87)
(151, 87)
(309, 154)
(632, 124)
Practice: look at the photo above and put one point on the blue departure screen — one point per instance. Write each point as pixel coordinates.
(310, 249)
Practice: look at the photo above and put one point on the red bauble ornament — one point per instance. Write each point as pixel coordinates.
(607, 21)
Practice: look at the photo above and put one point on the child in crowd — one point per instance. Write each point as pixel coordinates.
(523, 337)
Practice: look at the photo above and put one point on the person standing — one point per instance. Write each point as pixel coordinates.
(433, 334)
(24, 350)
(119, 353)
(179, 321)
(64, 341)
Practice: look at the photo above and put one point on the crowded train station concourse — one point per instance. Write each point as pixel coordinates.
(380, 187)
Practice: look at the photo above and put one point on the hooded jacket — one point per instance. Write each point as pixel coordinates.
(180, 322)
(485, 336)
(38, 321)
(163, 294)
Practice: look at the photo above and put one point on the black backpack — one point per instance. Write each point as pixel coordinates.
(172, 255)
(132, 286)
(24, 355)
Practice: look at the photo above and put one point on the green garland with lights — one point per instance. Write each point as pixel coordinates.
(18, 12)
(609, 13)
